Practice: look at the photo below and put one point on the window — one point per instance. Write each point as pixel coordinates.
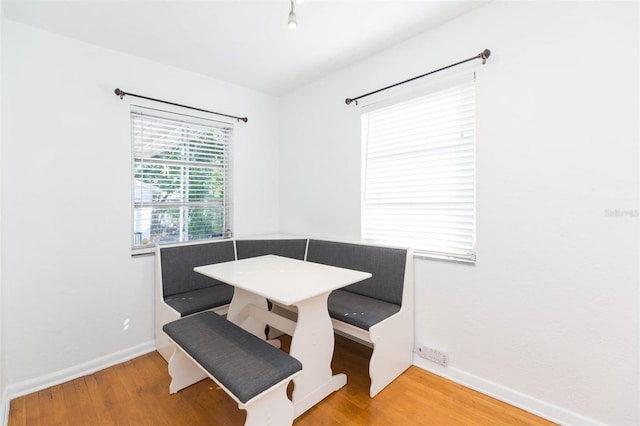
(181, 175)
(419, 174)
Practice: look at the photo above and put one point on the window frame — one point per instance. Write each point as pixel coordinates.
(139, 112)
(416, 94)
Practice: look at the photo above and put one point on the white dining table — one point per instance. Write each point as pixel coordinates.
(294, 283)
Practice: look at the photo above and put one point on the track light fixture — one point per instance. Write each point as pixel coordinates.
(293, 20)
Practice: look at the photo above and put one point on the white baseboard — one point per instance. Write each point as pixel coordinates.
(510, 396)
(33, 385)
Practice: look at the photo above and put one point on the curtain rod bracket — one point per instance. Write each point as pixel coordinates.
(482, 55)
(122, 94)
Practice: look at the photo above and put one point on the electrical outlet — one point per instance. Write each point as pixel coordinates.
(433, 354)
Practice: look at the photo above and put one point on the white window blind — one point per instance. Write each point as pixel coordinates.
(419, 174)
(181, 174)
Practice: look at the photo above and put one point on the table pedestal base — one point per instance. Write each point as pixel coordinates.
(312, 398)
(312, 342)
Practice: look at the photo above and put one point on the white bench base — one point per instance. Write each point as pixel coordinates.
(271, 407)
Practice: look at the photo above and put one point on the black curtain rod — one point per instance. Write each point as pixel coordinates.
(482, 55)
(122, 94)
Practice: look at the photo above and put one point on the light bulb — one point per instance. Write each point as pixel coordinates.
(293, 22)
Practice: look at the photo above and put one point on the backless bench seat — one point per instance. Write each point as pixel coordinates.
(254, 373)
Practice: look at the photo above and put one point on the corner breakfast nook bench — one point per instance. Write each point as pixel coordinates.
(377, 312)
(250, 370)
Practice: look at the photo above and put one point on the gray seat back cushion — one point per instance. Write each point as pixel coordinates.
(385, 264)
(178, 263)
(293, 248)
(242, 362)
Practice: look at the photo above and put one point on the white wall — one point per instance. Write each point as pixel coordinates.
(4, 406)
(75, 298)
(548, 317)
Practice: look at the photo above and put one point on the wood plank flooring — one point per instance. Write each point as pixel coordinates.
(137, 393)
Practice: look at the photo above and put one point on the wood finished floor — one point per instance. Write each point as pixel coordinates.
(137, 393)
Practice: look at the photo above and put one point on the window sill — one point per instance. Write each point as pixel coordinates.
(446, 258)
(146, 251)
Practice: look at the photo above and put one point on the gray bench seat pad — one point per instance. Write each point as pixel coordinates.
(243, 363)
(358, 310)
(190, 302)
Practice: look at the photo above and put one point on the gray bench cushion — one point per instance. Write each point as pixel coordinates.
(385, 264)
(293, 248)
(242, 362)
(359, 311)
(178, 263)
(190, 302)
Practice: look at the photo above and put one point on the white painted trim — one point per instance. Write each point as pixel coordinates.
(4, 414)
(523, 401)
(33, 385)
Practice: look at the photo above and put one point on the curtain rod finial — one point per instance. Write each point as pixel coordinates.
(484, 55)
(245, 119)
(119, 92)
(348, 101)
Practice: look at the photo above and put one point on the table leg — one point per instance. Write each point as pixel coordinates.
(239, 313)
(312, 344)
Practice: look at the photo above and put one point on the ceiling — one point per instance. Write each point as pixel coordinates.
(243, 42)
